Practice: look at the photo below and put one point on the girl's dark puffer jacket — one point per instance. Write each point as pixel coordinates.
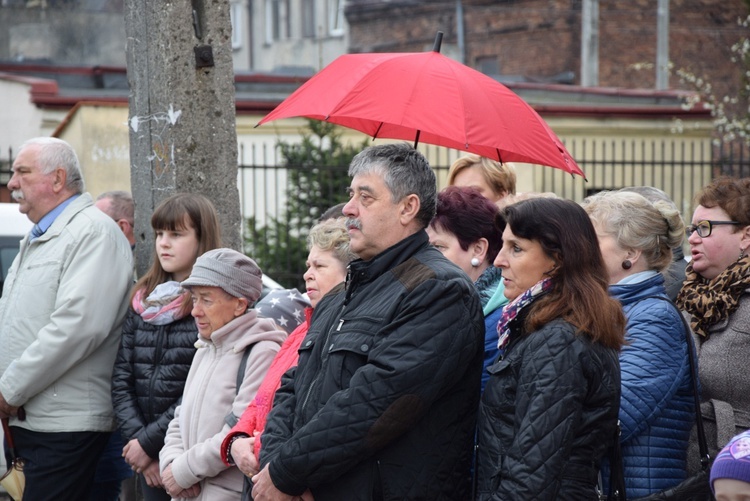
(149, 375)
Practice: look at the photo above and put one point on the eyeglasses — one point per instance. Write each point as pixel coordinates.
(705, 227)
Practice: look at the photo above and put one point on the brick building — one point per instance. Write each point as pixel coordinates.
(540, 40)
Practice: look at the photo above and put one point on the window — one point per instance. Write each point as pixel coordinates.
(488, 65)
(336, 17)
(277, 20)
(308, 18)
(235, 16)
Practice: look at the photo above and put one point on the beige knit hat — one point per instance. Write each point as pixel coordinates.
(232, 271)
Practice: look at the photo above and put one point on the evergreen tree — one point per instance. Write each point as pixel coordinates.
(316, 180)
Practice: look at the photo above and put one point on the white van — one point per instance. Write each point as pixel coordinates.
(13, 227)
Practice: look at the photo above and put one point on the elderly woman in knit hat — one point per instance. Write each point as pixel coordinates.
(235, 349)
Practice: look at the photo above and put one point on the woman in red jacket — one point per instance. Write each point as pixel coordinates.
(326, 267)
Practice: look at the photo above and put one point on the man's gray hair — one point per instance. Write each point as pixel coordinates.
(405, 172)
(54, 153)
(121, 205)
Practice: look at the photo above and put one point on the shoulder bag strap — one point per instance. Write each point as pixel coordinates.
(692, 359)
(230, 418)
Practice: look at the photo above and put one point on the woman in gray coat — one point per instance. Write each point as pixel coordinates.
(716, 294)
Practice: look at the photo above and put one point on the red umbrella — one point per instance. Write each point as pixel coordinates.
(427, 97)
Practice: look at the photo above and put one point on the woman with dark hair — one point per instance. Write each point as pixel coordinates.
(465, 231)
(549, 411)
(716, 294)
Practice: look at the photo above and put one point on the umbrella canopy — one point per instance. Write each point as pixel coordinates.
(427, 97)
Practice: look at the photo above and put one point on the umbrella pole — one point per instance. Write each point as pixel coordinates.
(416, 139)
(438, 42)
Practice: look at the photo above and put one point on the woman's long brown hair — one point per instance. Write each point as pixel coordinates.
(579, 292)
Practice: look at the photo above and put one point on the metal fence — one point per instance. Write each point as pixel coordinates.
(678, 167)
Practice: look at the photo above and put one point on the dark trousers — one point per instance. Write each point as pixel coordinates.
(58, 466)
(152, 493)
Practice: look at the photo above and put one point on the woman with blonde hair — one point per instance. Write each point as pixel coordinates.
(329, 256)
(636, 238)
(494, 180)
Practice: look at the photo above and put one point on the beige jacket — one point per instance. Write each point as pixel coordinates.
(194, 436)
(60, 317)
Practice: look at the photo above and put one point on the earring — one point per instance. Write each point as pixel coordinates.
(742, 253)
(626, 265)
(475, 262)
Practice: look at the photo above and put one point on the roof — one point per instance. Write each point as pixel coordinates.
(62, 87)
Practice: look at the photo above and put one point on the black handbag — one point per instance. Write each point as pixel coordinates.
(696, 487)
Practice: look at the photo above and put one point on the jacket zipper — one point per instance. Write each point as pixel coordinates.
(157, 365)
(323, 357)
(324, 349)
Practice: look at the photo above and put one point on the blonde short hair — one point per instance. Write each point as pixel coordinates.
(635, 223)
(501, 177)
(331, 235)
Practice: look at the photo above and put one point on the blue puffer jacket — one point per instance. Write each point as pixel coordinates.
(656, 407)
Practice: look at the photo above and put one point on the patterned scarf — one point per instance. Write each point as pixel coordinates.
(511, 310)
(711, 301)
(163, 306)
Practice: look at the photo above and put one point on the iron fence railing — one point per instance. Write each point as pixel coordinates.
(678, 167)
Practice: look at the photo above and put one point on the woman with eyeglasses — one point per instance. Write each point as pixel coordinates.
(636, 238)
(716, 295)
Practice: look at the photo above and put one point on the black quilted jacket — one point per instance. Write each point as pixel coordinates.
(383, 404)
(547, 417)
(149, 375)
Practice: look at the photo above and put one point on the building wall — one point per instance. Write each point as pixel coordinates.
(540, 39)
(294, 38)
(99, 134)
(19, 118)
(81, 36)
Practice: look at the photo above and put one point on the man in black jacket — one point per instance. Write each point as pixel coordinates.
(383, 403)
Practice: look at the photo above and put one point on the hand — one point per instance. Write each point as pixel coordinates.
(135, 456)
(191, 492)
(306, 496)
(265, 490)
(152, 475)
(174, 489)
(6, 410)
(244, 456)
(169, 483)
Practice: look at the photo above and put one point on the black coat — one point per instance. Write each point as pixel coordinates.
(547, 416)
(383, 403)
(149, 375)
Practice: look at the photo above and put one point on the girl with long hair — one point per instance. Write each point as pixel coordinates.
(159, 335)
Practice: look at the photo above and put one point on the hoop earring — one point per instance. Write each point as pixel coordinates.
(626, 265)
(475, 262)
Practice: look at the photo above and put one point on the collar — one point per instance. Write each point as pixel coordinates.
(365, 271)
(50, 217)
(361, 272)
(636, 278)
